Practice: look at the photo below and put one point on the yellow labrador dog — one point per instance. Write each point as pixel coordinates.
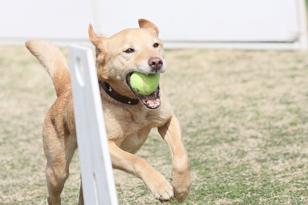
(129, 116)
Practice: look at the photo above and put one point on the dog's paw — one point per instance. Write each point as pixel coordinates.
(181, 182)
(160, 187)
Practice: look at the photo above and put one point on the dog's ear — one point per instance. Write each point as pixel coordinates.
(98, 42)
(94, 38)
(143, 23)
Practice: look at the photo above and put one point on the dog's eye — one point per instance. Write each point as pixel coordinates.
(129, 50)
(155, 45)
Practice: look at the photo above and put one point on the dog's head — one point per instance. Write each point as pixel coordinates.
(128, 51)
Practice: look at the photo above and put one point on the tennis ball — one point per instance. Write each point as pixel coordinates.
(144, 84)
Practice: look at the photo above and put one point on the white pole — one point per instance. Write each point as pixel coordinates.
(95, 165)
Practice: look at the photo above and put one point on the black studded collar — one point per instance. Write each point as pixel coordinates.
(117, 96)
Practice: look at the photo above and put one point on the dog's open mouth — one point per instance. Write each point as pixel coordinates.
(151, 101)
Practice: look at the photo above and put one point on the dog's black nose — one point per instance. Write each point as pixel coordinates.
(155, 63)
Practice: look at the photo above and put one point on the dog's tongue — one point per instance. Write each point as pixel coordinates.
(151, 101)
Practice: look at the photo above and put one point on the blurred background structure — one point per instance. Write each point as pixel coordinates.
(196, 23)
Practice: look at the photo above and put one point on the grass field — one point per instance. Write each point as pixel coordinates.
(244, 116)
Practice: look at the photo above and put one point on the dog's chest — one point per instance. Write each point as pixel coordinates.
(143, 119)
(130, 126)
(133, 141)
(135, 132)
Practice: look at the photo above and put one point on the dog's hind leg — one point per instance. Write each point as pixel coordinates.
(59, 150)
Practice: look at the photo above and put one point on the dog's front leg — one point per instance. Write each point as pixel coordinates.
(139, 167)
(181, 179)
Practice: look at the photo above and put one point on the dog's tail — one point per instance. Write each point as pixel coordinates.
(54, 62)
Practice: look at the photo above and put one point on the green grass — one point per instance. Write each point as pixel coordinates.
(244, 116)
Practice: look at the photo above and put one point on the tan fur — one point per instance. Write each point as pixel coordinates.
(127, 126)
(54, 62)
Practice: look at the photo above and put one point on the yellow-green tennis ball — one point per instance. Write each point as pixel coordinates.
(144, 84)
